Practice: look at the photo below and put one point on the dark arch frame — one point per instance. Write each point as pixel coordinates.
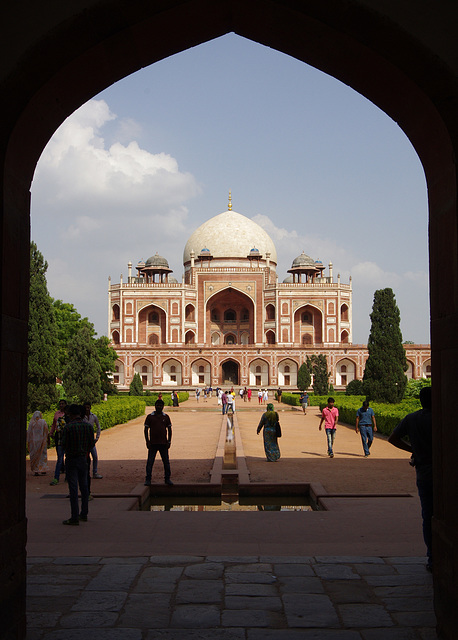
(404, 66)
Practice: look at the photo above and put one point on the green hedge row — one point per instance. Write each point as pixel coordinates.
(293, 399)
(387, 416)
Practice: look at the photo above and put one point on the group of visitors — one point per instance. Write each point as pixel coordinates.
(70, 430)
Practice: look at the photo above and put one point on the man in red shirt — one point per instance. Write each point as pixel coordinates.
(330, 416)
(158, 437)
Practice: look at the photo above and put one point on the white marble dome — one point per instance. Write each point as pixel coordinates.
(230, 235)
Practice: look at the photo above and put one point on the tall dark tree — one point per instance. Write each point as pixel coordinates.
(42, 340)
(136, 386)
(82, 369)
(68, 322)
(107, 358)
(384, 378)
(319, 367)
(304, 377)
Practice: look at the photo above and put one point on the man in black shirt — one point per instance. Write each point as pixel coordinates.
(418, 427)
(77, 441)
(158, 437)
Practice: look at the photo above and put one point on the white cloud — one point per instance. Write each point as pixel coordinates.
(96, 206)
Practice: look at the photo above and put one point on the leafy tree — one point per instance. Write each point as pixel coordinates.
(384, 379)
(414, 387)
(136, 386)
(303, 377)
(354, 388)
(68, 322)
(107, 358)
(82, 369)
(319, 368)
(42, 339)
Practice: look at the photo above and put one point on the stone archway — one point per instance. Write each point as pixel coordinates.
(399, 57)
(230, 373)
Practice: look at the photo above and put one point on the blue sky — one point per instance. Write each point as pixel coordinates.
(138, 168)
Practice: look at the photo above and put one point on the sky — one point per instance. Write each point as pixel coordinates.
(140, 166)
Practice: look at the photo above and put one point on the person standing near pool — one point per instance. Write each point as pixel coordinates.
(366, 425)
(330, 416)
(269, 422)
(158, 437)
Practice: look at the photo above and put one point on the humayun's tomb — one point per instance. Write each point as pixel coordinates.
(231, 322)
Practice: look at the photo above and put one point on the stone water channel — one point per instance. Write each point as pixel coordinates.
(230, 488)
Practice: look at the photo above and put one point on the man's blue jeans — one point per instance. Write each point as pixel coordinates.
(95, 460)
(367, 436)
(331, 436)
(76, 469)
(164, 452)
(60, 461)
(224, 408)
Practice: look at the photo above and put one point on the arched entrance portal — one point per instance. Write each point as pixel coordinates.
(230, 373)
(413, 78)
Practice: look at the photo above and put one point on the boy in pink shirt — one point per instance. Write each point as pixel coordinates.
(330, 416)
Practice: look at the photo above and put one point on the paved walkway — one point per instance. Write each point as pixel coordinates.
(355, 571)
(229, 598)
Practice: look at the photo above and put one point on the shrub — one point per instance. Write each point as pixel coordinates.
(354, 388)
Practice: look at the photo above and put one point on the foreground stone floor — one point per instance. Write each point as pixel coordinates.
(230, 598)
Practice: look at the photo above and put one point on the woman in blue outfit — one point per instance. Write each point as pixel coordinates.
(269, 422)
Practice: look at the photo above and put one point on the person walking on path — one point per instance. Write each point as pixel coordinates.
(330, 416)
(249, 392)
(37, 441)
(304, 401)
(417, 427)
(265, 396)
(269, 421)
(77, 441)
(94, 422)
(366, 426)
(158, 437)
(58, 424)
(279, 392)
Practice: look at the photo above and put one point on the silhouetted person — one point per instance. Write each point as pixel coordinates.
(158, 437)
(418, 427)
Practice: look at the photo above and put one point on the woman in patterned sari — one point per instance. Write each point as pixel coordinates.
(269, 422)
(37, 440)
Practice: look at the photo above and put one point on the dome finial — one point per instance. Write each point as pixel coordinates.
(229, 206)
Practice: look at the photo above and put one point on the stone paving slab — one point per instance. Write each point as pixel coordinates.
(225, 598)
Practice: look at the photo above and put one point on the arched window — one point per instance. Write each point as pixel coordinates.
(306, 318)
(128, 335)
(174, 335)
(190, 315)
(153, 317)
(344, 313)
(230, 315)
(153, 339)
(258, 369)
(306, 338)
(343, 368)
(331, 308)
(230, 339)
(175, 308)
(189, 337)
(201, 369)
(115, 315)
(270, 337)
(172, 369)
(129, 308)
(270, 312)
(245, 315)
(144, 369)
(215, 315)
(216, 338)
(344, 337)
(115, 337)
(286, 369)
(285, 308)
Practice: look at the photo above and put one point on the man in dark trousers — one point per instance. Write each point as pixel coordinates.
(77, 441)
(418, 427)
(158, 437)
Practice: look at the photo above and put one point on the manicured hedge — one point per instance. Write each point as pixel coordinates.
(314, 401)
(387, 416)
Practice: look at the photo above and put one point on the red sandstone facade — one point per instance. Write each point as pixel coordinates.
(231, 321)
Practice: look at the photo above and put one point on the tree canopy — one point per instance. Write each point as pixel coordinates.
(42, 338)
(304, 377)
(136, 386)
(384, 379)
(318, 366)
(82, 368)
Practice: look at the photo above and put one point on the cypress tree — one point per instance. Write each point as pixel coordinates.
(384, 379)
(82, 369)
(136, 386)
(303, 377)
(42, 338)
(319, 366)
